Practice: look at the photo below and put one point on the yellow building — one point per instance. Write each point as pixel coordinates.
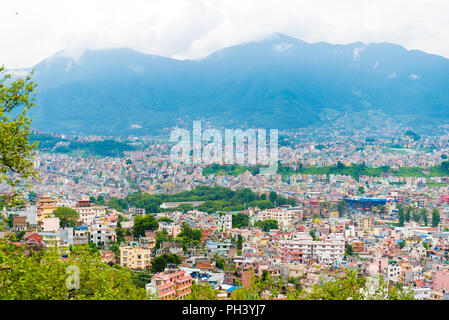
(135, 256)
(283, 216)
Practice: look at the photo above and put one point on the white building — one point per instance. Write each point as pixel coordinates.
(393, 272)
(327, 251)
(102, 231)
(422, 293)
(88, 214)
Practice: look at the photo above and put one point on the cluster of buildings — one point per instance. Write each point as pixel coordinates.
(338, 221)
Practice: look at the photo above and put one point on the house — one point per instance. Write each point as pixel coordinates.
(19, 223)
(33, 239)
(422, 293)
(50, 224)
(81, 234)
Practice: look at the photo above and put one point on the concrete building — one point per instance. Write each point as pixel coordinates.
(173, 283)
(135, 256)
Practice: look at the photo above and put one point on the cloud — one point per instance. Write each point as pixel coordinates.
(356, 53)
(191, 29)
(392, 76)
(136, 69)
(414, 76)
(281, 47)
(376, 65)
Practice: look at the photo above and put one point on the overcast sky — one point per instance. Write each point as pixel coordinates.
(32, 30)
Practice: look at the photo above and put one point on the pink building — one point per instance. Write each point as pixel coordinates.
(50, 224)
(441, 280)
(173, 283)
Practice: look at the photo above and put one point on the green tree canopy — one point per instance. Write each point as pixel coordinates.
(16, 151)
(44, 275)
(67, 216)
(267, 225)
(202, 291)
(158, 264)
(435, 218)
(240, 220)
(143, 223)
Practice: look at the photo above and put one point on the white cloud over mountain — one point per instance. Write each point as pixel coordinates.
(33, 30)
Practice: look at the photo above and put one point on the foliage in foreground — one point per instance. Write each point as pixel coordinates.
(16, 151)
(44, 275)
(345, 287)
(48, 274)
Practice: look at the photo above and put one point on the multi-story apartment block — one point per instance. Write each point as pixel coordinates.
(173, 283)
(393, 272)
(135, 256)
(283, 216)
(102, 231)
(226, 221)
(304, 247)
(88, 212)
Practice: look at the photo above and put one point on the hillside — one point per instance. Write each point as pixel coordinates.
(279, 82)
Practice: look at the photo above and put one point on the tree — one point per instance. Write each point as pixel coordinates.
(341, 208)
(408, 213)
(158, 264)
(338, 288)
(350, 286)
(240, 220)
(401, 216)
(119, 232)
(361, 190)
(201, 291)
(382, 210)
(313, 235)
(349, 251)
(185, 207)
(435, 218)
(267, 225)
(68, 217)
(43, 275)
(239, 242)
(16, 151)
(189, 236)
(416, 216)
(272, 196)
(165, 219)
(340, 165)
(161, 237)
(424, 217)
(220, 263)
(141, 224)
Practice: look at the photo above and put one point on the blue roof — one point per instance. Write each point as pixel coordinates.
(233, 288)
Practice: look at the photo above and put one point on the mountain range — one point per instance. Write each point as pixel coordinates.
(278, 82)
